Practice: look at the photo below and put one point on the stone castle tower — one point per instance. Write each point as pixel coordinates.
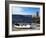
(37, 13)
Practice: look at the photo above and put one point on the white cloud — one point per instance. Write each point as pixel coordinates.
(16, 10)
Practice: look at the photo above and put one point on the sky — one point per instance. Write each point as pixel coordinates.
(25, 10)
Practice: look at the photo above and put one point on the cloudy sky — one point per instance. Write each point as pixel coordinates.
(25, 10)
